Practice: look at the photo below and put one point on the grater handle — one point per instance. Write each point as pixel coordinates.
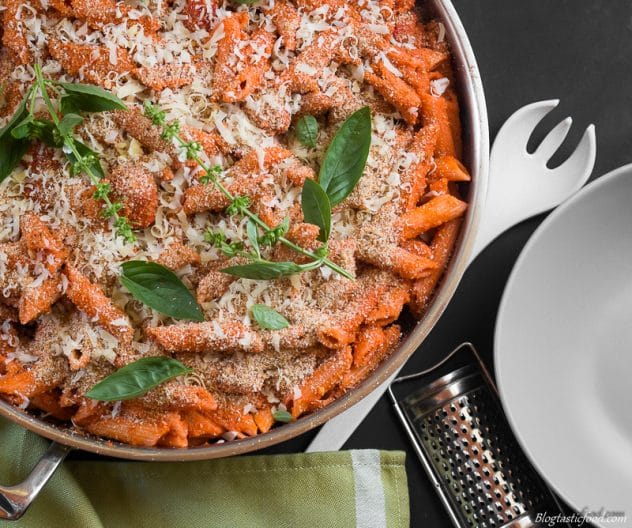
(463, 346)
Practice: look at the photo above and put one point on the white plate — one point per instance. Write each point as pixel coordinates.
(563, 347)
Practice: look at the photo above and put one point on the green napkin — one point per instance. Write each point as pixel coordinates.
(365, 489)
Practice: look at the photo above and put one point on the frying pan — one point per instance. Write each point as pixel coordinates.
(14, 500)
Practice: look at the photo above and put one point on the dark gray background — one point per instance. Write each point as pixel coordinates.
(579, 51)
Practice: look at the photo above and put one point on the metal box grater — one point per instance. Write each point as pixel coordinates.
(460, 433)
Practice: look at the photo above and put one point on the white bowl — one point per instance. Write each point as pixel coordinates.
(563, 348)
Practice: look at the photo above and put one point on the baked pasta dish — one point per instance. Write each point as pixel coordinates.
(213, 216)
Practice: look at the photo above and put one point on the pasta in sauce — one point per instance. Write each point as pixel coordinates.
(238, 78)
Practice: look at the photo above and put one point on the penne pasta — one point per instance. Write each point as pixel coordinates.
(13, 35)
(232, 84)
(325, 378)
(172, 76)
(401, 95)
(38, 238)
(91, 300)
(213, 336)
(451, 169)
(390, 306)
(287, 20)
(135, 187)
(247, 176)
(372, 346)
(92, 62)
(140, 430)
(177, 256)
(231, 418)
(36, 301)
(439, 210)
(142, 129)
(202, 427)
(415, 179)
(442, 245)
(264, 419)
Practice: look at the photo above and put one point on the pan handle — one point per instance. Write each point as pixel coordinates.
(15, 500)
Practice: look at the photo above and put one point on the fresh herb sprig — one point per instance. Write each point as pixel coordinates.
(340, 175)
(259, 268)
(58, 132)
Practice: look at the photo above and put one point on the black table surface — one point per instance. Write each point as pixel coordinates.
(579, 51)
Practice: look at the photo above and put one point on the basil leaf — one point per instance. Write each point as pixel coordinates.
(282, 416)
(264, 270)
(268, 318)
(23, 129)
(160, 289)
(316, 208)
(67, 105)
(137, 378)
(253, 235)
(307, 130)
(90, 98)
(245, 2)
(86, 152)
(68, 123)
(12, 149)
(46, 132)
(346, 156)
(41, 129)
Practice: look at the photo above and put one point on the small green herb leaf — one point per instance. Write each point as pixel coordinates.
(282, 416)
(11, 148)
(89, 158)
(68, 123)
(24, 128)
(316, 208)
(40, 129)
(90, 98)
(264, 270)
(137, 378)
(160, 289)
(245, 2)
(253, 236)
(307, 130)
(67, 105)
(268, 318)
(46, 132)
(346, 156)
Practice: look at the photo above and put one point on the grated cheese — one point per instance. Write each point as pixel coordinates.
(439, 86)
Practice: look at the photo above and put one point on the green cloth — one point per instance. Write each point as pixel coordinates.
(363, 489)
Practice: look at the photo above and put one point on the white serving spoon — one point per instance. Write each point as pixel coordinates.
(520, 186)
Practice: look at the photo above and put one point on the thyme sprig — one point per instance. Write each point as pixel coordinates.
(57, 130)
(82, 160)
(257, 268)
